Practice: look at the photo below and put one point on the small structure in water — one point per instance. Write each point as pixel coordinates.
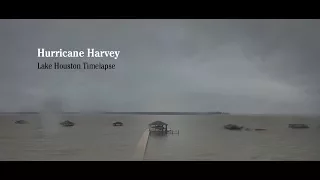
(117, 123)
(159, 126)
(67, 123)
(298, 126)
(260, 129)
(234, 127)
(21, 122)
(256, 129)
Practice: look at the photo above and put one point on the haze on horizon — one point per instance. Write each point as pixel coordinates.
(236, 66)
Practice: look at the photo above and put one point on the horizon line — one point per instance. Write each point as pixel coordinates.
(162, 113)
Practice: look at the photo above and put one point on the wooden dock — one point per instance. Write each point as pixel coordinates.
(142, 146)
(170, 131)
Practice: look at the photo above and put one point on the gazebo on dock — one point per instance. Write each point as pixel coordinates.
(158, 126)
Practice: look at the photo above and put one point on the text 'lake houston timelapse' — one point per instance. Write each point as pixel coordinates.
(84, 65)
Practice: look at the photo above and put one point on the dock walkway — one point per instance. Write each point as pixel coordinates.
(142, 146)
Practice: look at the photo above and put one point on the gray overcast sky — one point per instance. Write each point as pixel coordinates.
(237, 66)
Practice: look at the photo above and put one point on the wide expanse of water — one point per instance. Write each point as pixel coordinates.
(201, 137)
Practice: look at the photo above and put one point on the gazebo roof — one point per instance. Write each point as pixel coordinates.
(157, 123)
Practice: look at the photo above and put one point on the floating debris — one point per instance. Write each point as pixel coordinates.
(298, 126)
(21, 122)
(67, 123)
(236, 127)
(256, 129)
(117, 123)
(233, 127)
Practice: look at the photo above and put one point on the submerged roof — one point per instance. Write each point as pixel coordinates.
(118, 122)
(157, 123)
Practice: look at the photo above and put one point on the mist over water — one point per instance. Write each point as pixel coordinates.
(51, 116)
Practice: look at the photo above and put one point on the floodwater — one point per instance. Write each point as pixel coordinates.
(201, 137)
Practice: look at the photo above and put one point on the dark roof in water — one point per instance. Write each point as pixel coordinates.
(117, 122)
(158, 123)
